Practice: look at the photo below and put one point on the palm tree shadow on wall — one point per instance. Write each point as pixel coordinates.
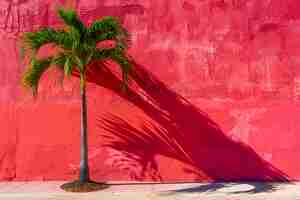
(180, 131)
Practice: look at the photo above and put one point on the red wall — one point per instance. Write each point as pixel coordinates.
(215, 95)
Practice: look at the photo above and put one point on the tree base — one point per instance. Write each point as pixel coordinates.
(88, 186)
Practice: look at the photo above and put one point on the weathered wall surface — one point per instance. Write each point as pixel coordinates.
(215, 97)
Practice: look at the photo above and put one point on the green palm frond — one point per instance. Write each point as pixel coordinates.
(68, 67)
(109, 28)
(34, 73)
(63, 40)
(59, 60)
(71, 18)
(64, 62)
(117, 55)
(102, 54)
(33, 41)
(124, 65)
(36, 39)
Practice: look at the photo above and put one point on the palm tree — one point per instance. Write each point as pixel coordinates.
(76, 48)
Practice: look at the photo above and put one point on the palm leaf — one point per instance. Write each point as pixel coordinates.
(59, 60)
(109, 28)
(65, 62)
(124, 65)
(72, 19)
(33, 41)
(117, 55)
(68, 67)
(34, 73)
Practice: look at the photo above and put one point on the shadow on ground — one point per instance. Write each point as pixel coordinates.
(230, 188)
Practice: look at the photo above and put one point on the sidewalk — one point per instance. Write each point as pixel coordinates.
(188, 191)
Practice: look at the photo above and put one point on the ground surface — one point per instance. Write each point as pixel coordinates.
(188, 191)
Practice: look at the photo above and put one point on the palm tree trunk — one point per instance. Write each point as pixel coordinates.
(84, 167)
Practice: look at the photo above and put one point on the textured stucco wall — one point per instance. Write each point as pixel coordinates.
(216, 95)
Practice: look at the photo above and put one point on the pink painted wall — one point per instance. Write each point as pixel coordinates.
(215, 97)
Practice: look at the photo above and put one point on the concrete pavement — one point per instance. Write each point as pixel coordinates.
(187, 191)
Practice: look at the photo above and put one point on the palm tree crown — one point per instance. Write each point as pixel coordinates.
(76, 47)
